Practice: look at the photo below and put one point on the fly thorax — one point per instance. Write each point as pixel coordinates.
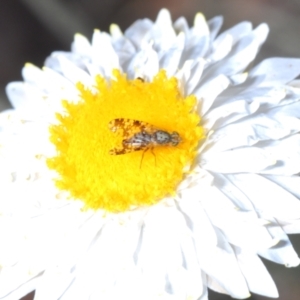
(162, 137)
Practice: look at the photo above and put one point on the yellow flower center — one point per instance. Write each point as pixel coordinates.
(117, 165)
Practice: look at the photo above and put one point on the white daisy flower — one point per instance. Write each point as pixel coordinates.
(150, 164)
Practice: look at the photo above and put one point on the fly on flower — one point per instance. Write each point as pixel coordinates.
(139, 135)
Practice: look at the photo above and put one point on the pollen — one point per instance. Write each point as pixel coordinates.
(84, 163)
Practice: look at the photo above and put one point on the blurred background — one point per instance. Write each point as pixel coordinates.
(31, 29)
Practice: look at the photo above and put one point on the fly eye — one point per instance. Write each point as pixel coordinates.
(175, 138)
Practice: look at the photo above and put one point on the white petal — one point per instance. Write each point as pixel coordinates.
(104, 266)
(227, 218)
(220, 48)
(223, 272)
(238, 30)
(291, 226)
(115, 32)
(268, 197)
(144, 64)
(286, 256)
(60, 275)
(136, 32)
(277, 70)
(181, 26)
(246, 159)
(258, 278)
(243, 52)
(28, 98)
(34, 75)
(251, 92)
(283, 252)
(289, 183)
(16, 280)
(190, 74)
(215, 25)
(53, 60)
(16, 92)
(94, 70)
(58, 83)
(75, 290)
(103, 53)
(151, 256)
(204, 295)
(259, 127)
(53, 287)
(122, 45)
(238, 198)
(194, 78)
(21, 290)
(287, 154)
(81, 45)
(197, 41)
(208, 92)
(171, 58)
(162, 33)
(228, 113)
(295, 83)
(73, 73)
(190, 263)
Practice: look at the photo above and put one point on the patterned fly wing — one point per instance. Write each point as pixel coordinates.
(128, 128)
